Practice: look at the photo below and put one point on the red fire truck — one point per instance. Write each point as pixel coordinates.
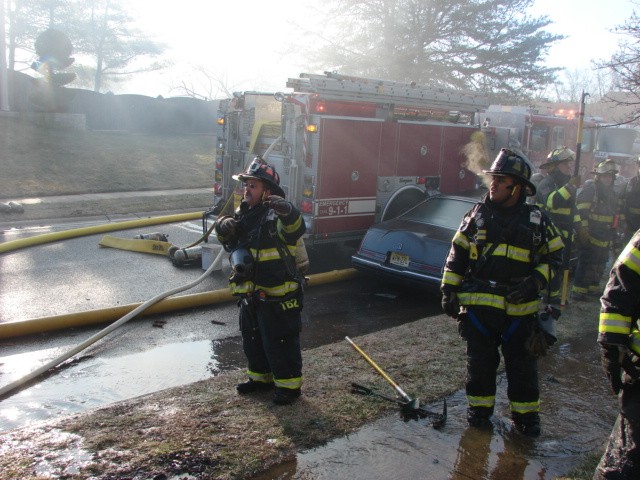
(350, 151)
(537, 133)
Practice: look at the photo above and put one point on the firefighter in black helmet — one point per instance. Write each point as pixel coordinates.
(599, 208)
(504, 253)
(262, 237)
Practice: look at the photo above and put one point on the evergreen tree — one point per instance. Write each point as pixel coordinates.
(492, 46)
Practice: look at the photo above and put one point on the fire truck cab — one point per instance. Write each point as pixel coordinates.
(350, 151)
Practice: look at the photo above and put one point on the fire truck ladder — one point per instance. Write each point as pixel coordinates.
(386, 91)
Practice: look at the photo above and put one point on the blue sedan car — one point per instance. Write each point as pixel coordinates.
(412, 248)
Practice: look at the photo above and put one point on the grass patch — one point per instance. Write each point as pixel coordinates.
(38, 161)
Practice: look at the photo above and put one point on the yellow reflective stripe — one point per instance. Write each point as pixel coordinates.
(266, 254)
(583, 206)
(241, 288)
(601, 218)
(249, 287)
(481, 401)
(511, 252)
(522, 309)
(451, 278)
(279, 290)
(555, 244)
(561, 211)
(260, 377)
(634, 210)
(580, 289)
(482, 299)
(565, 193)
(291, 228)
(614, 323)
(461, 240)
(630, 258)
(544, 270)
(525, 407)
(292, 383)
(599, 243)
(634, 341)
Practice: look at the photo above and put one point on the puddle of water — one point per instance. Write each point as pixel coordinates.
(74, 387)
(577, 415)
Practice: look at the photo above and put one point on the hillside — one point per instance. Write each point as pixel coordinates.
(40, 161)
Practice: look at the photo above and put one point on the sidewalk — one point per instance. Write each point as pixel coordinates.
(57, 209)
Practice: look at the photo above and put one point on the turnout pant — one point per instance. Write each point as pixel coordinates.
(592, 261)
(621, 459)
(271, 342)
(486, 335)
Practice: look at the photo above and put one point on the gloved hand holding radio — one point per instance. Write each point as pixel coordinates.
(525, 291)
(279, 205)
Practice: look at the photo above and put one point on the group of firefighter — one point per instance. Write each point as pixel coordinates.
(507, 253)
(510, 251)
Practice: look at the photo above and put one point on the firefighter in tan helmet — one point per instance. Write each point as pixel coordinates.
(557, 196)
(599, 208)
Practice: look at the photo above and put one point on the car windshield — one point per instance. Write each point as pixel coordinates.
(443, 212)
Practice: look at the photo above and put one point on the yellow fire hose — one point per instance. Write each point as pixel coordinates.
(108, 227)
(316, 279)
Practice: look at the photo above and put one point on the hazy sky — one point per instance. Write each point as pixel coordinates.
(243, 40)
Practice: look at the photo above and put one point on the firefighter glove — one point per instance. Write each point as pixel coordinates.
(450, 304)
(525, 291)
(279, 205)
(226, 227)
(537, 343)
(612, 364)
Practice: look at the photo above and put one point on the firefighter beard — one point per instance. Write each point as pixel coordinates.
(271, 340)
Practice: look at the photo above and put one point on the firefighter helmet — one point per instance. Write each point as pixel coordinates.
(606, 166)
(514, 165)
(261, 170)
(559, 155)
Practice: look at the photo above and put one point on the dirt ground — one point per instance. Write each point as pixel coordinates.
(206, 430)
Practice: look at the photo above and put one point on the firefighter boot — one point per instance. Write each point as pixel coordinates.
(479, 417)
(285, 396)
(251, 386)
(527, 423)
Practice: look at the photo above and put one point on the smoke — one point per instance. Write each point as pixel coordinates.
(477, 155)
